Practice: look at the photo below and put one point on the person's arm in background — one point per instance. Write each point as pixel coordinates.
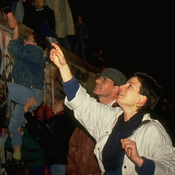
(5, 6)
(86, 31)
(15, 32)
(39, 130)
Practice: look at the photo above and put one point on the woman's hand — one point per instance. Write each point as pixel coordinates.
(131, 151)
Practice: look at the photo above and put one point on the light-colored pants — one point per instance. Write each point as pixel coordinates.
(58, 169)
(19, 94)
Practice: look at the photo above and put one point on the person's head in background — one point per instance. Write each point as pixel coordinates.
(43, 112)
(3, 92)
(79, 18)
(107, 85)
(36, 38)
(58, 106)
(100, 52)
(39, 4)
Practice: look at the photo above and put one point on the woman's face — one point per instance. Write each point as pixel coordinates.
(129, 94)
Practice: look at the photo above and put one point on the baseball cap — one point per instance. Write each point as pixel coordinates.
(115, 75)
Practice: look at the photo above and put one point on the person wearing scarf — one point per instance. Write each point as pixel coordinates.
(147, 148)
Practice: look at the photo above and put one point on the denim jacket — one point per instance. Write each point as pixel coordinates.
(28, 69)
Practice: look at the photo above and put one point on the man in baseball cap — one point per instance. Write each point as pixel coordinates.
(106, 88)
(115, 75)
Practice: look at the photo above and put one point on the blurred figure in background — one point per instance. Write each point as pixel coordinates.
(32, 155)
(6, 8)
(53, 134)
(28, 74)
(78, 40)
(35, 14)
(17, 9)
(64, 21)
(98, 60)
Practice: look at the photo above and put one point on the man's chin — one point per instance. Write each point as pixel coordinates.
(96, 91)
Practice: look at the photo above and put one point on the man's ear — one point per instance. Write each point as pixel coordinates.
(141, 101)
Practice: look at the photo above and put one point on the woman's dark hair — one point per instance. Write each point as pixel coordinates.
(40, 39)
(149, 88)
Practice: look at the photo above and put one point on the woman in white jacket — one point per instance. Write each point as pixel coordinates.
(128, 140)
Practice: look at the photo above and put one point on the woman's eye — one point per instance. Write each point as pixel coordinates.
(130, 85)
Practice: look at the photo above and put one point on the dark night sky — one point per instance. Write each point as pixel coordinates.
(135, 37)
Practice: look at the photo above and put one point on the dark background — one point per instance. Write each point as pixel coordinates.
(135, 36)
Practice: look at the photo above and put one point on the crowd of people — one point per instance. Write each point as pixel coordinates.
(71, 32)
(120, 133)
